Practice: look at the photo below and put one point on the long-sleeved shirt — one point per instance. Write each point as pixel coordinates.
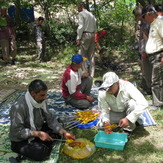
(71, 83)
(155, 39)
(86, 23)
(20, 121)
(127, 91)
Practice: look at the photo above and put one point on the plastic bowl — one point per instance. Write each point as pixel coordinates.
(114, 140)
(88, 125)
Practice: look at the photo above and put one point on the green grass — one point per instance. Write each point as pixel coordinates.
(145, 145)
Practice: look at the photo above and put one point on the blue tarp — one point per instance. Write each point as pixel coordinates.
(27, 14)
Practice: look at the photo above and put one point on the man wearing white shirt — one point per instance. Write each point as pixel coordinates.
(85, 36)
(120, 102)
(154, 49)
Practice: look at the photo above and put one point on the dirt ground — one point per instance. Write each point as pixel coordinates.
(20, 75)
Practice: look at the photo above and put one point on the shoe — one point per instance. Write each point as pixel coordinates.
(14, 62)
(128, 133)
(98, 83)
(152, 107)
(7, 64)
(20, 158)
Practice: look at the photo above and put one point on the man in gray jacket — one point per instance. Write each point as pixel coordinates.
(33, 127)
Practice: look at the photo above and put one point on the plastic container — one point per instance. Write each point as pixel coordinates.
(114, 140)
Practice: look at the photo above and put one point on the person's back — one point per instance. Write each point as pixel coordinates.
(85, 37)
(89, 20)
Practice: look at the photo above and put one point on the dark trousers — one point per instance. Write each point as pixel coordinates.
(37, 149)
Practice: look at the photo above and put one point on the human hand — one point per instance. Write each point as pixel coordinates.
(144, 56)
(68, 135)
(107, 130)
(78, 42)
(98, 46)
(162, 61)
(90, 99)
(85, 74)
(124, 122)
(41, 135)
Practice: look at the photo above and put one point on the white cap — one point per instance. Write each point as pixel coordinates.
(108, 80)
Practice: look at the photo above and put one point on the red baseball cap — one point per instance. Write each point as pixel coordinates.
(103, 33)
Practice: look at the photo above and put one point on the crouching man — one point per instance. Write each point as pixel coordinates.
(120, 102)
(33, 127)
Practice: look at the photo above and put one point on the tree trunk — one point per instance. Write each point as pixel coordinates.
(18, 13)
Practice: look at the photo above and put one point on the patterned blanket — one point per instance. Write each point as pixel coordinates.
(60, 109)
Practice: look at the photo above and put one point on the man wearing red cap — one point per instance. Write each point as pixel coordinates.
(98, 36)
(76, 85)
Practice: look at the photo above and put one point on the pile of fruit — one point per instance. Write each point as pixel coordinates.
(86, 116)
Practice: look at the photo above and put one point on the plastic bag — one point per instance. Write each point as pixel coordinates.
(81, 151)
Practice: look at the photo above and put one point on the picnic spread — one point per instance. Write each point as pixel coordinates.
(72, 118)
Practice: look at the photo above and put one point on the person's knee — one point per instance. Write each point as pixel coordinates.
(90, 79)
(83, 104)
(36, 151)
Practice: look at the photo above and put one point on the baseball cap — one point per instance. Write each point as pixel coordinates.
(148, 8)
(77, 58)
(108, 80)
(103, 33)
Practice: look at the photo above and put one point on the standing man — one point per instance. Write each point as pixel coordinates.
(159, 9)
(154, 49)
(76, 85)
(40, 39)
(142, 40)
(120, 102)
(85, 36)
(7, 39)
(33, 127)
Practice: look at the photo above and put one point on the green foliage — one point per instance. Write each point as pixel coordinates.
(65, 55)
(3, 21)
(62, 32)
